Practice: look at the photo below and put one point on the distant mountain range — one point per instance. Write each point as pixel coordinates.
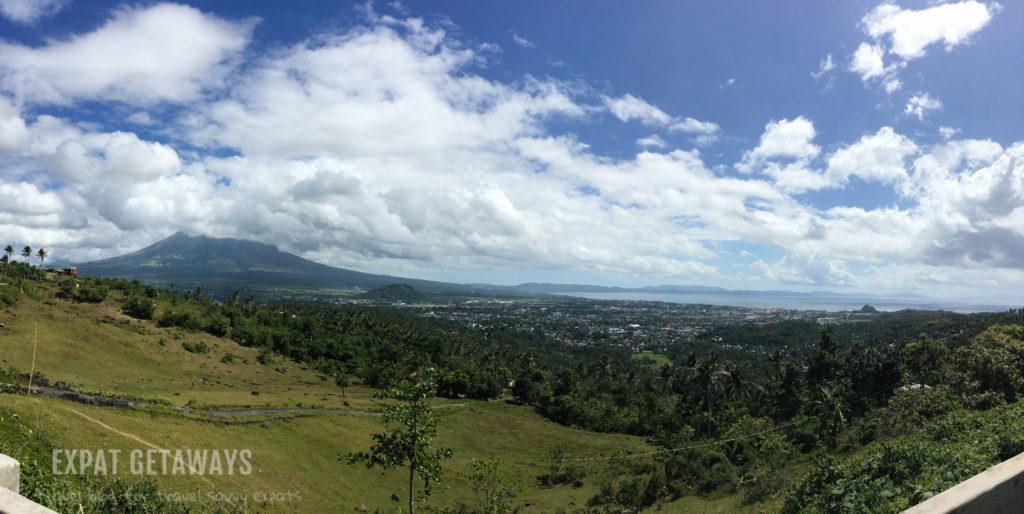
(222, 265)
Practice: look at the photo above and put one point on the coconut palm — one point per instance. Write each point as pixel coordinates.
(26, 253)
(708, 377)
(832, 406)
(9, 250)
(41, 254)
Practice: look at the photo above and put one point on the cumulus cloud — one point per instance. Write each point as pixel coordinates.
(806, 270)
(920, 104)
(28, 11)
(905, 34)
(912, 31)
(13, 134)
(867, 61)
(880, 157)
(786, 139)
(164, 52)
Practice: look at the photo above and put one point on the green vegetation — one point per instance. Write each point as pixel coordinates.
(410, 443)
(863, 419)
(656, 359)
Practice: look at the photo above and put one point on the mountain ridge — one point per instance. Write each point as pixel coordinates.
(221, 265)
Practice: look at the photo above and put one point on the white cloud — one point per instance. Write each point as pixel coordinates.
(651, 141)
(28, 11)
(920, 104)
(948, 132)
(693, 126)
(13, 134)
(140, 118)
(826, 66)
(880, 157)
(867, 61)
(892, 84)
(807, 270)
(629, 107)
(796, 177)
(522, 41)
(912, 31)
(789, 139)
(905, 34)
(164, 52)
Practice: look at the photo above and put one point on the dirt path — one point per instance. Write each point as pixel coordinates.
(137, 439)
(120, 403)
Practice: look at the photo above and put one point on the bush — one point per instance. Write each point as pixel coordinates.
(218, 326)
(196, 347)
(91, 293)
(265, 357)
(139, 307)
(179, 318)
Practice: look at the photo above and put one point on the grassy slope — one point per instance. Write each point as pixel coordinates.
(96, 347)
(657, 358)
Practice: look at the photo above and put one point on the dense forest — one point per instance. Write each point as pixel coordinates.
(863, 421)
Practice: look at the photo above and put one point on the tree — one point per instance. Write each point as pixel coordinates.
(833, 408)
(408, 442)
(492, 481)
(26, 252)
(708, 377)
(341, 380)
(41, 254)
(9, 250)
(925, 360)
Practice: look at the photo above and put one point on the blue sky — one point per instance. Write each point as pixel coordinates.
(850, 146)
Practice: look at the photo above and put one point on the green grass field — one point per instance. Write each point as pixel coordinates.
(657, 358)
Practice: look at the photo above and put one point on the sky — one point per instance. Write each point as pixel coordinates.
(802, 145)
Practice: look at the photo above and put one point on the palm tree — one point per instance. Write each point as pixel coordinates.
(9, 250)
(708, 377)
(41, 254)
(833, 408)
(26, 253)
(739, 384)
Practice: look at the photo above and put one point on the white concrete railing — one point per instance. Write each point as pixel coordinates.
(10, 501)
(997, 489)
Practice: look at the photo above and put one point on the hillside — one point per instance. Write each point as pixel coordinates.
(395, 293)
(96, 348)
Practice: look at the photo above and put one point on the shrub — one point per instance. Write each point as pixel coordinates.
(265, 357)
(91, 293)
(179, 318)
(218, 326)
(139, 307)
(196, 347)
